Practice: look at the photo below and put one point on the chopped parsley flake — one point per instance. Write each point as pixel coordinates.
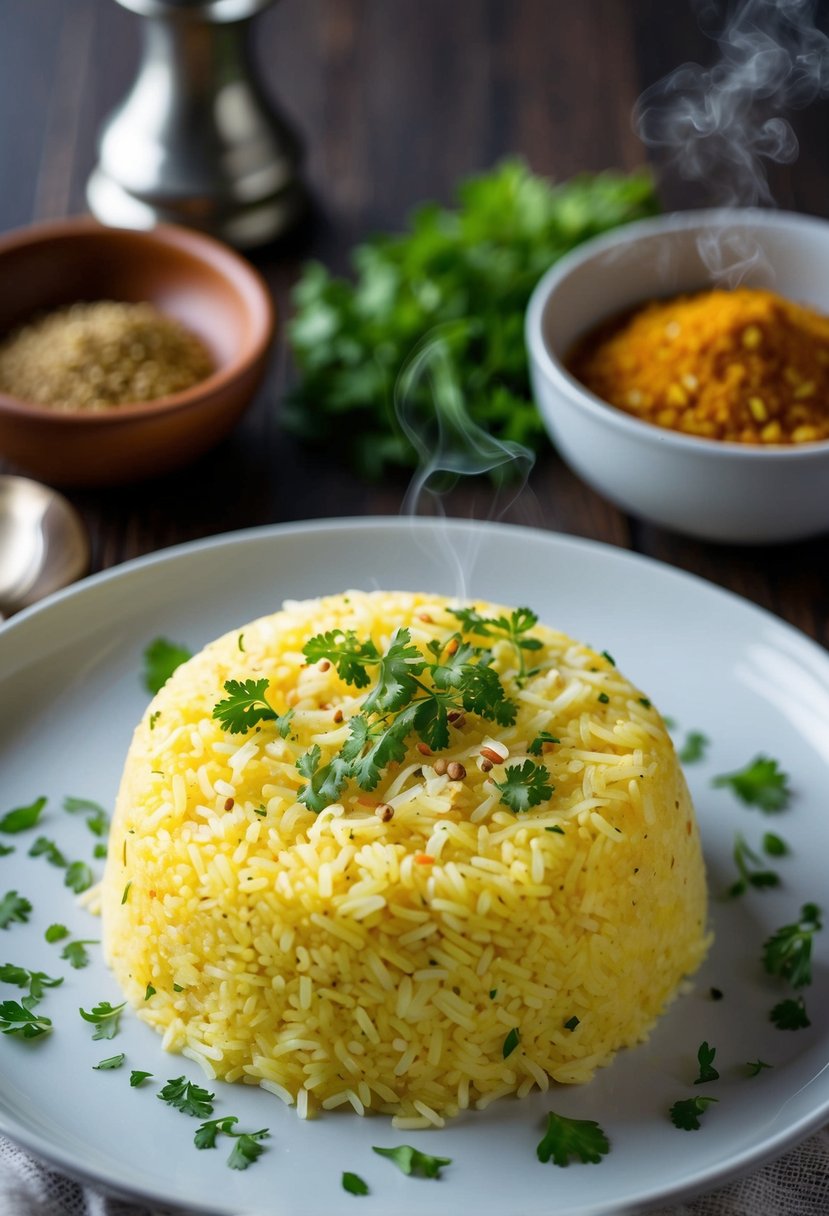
(56, 933)
(750, 869)
(110, 1063)
(572, 1138)
(412, 1161)
(76, 954)
(761, 783)
(572, 1023)
(13, 907)
(694, 748)
(755, 1067)
(97, 821)
(22, 817)
(105, 1018)
(511, 1042)
(137, 1077)
(150, 992)
(604, 698)
(686, 1114)
(35, 981)
(537, 746)
(78, 877)
(43, 847)
(790, 1015)
(788, 952)
(16, 1019)
(354, 1184)
(161, 658)
(705, 1058)
(190, 1099)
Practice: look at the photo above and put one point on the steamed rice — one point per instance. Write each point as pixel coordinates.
(342, 961)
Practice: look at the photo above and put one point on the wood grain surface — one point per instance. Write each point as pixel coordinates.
(396, 100)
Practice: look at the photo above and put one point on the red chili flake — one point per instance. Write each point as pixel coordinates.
(229, 804)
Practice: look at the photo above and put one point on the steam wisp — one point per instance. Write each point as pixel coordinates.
(723, 125)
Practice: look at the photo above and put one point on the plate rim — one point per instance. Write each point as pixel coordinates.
(735, 1167)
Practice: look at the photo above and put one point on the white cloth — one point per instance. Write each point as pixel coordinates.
(795, 1185)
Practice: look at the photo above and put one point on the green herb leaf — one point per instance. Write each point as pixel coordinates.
(537, 746)
(16, 1019)
(111, 1062)
(247, 1149)
(565, 1138)
(774, 845)
(105, 1018)
(76, 954)
(686, 1114)
(150, 991)
(749, 867)
(694, 748)
(788, 952)
(244, 706)
(705, 1057)
(22, 817)
(190, 1099)
(761, 783)
(208, 1133)
(43, 847)
(349, 656)
(79, 877)
(13, 907)
(790, 1015)
(526, 785)
(100, 851)
(755, 1067)
(56, 933)
(511, 1042)
(98, 820)
(35, 981)
(137, 1077)
(412, 1161)
(161, 658)
(399, 668)
(354, 1184)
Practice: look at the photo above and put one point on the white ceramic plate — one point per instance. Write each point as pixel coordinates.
(70, 695)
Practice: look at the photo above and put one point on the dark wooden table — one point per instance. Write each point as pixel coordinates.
(396, 100)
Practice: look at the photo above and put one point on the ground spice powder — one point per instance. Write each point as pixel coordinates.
(93, 356)
(746, 366)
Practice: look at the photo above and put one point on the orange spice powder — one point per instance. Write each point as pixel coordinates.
(745, 365)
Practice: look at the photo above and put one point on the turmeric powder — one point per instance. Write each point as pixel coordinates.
(745, 366)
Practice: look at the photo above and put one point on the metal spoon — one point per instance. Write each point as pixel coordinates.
(43, 543)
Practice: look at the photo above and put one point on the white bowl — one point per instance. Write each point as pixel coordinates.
(708, 488)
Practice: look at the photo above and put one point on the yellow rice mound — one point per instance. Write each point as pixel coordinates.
(338, 959)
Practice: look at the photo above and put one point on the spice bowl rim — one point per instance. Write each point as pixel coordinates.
(715, 490)
(603, 411)
(202, 248)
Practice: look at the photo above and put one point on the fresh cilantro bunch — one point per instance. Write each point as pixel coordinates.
(479, 264)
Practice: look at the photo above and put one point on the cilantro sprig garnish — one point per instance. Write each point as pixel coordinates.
(104, 1017)
(410, 691)
(761, 783)
(513, 628)
(524, 786)
(412, 1161)
(187, 1097)
(76, 953)
(565, 1138)
(686, 1113)
(97, 819)
(788, 952)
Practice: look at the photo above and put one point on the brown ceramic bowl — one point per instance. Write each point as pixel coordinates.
(197, 280)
